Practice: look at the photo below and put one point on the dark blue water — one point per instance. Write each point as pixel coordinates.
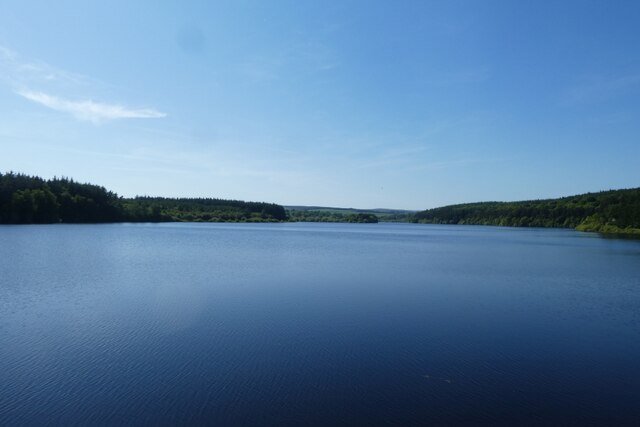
(317, 324)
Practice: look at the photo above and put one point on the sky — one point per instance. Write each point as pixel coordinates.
(365, 104)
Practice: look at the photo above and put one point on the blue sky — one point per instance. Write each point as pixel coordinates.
(354, 104)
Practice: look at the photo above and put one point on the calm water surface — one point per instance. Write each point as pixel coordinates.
(317, 324)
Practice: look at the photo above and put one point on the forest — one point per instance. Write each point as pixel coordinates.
(299, 215)
(613, 211)
(28, 199)
(329, 214)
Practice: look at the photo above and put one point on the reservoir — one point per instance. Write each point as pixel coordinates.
(301, 324)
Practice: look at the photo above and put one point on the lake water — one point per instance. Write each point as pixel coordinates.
(317, 324)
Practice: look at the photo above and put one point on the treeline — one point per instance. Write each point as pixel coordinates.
(203, 210)
(333, 214)
(614, 211)
(28, 199)
(32, 200)
(330, 216)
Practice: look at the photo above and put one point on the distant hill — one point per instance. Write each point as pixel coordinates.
(32, 200)
(29, 199)
(613, 211)
(332, 214)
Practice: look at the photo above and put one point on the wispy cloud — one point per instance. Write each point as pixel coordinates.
(591, 89)
(23, 76)
(456, 163)
(457, 77)
(291, 60)
(89, 110)
(397, 157)
(17, 71)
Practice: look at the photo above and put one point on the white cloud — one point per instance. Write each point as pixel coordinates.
(23, 76)
(19, 72)
(89, 110)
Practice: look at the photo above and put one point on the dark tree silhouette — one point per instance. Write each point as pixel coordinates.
(28, 199)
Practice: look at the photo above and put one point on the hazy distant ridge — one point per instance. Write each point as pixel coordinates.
(332, 214)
